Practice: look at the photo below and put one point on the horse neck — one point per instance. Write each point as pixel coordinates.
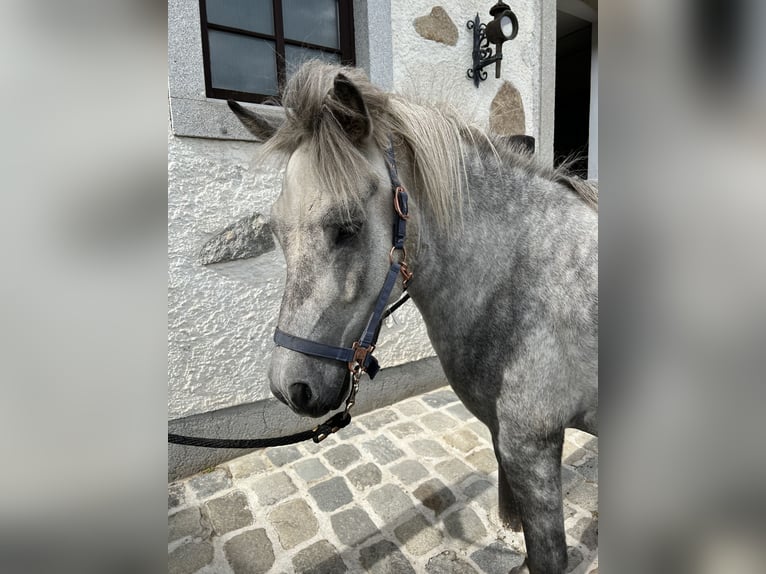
(503, 210)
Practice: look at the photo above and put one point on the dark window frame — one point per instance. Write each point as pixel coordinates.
(345, 50)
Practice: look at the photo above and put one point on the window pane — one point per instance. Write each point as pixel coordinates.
(242, 63)
(314, 21)
(253, 15)
(295, 56)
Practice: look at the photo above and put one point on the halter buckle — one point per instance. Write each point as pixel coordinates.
(402, 210)
(356, 365)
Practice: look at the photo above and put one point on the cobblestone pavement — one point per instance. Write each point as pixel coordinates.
(411, 488)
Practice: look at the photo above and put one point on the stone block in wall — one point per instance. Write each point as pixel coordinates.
(437, 26)
(506, 113)
(245, 238)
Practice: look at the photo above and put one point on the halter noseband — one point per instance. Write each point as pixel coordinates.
(358, 357)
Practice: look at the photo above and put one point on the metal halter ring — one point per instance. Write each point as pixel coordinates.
(403, 260)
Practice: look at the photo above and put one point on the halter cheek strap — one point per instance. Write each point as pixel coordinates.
(359, 356)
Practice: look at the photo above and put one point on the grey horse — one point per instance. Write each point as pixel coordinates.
(504, 253)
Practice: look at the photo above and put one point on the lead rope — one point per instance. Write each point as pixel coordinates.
(317, 434)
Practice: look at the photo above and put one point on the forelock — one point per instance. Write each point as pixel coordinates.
(339, 167)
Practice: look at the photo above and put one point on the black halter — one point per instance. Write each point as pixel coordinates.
(358, 357)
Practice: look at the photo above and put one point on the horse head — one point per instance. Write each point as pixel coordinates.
(335, 232)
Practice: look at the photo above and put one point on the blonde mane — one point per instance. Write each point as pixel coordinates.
(435, 135)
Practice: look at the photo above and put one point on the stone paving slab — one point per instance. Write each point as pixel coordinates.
(409, 488)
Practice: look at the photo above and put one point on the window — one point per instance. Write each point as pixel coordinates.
(251, 47)
(196, 110)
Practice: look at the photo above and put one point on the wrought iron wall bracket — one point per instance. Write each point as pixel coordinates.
(482, 51)
(482, 43)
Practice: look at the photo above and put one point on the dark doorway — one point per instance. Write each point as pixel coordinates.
(573, 59)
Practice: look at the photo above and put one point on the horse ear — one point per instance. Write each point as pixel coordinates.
(352, 113)
(261, 127)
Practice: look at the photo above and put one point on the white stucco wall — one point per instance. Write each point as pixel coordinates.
(221, 317)
(438, 71)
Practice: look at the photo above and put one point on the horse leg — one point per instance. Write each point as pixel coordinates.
(533, 468)
(507, 507)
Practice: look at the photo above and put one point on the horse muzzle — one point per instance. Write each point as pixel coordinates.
(312, 395)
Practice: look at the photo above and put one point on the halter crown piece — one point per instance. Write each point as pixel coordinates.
(358, 357)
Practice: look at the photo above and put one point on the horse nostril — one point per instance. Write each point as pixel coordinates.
(300, 394)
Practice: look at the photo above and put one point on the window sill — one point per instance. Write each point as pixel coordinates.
(213, 119)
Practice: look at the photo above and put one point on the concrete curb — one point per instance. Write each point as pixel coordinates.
(269, 417)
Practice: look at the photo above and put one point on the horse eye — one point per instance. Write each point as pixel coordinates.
(346, 233)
